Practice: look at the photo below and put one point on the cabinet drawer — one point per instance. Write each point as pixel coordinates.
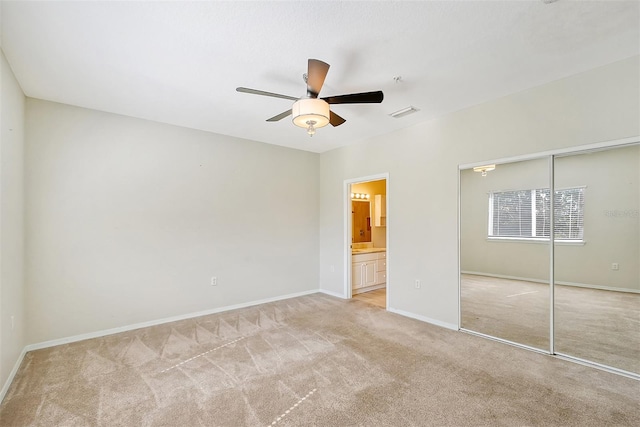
(382, 255)
(363, 257)
(381, 277)
(381, 265)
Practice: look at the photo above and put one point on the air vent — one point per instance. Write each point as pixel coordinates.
(404, 112)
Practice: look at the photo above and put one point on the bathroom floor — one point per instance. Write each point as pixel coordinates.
(377, 297)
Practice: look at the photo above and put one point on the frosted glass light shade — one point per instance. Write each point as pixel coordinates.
(484, 169)
(310, 109)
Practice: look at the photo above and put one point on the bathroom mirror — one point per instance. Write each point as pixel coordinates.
(360, 221)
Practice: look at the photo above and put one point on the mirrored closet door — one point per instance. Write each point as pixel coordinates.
(576, 215)
(597, 257)
(504, 251)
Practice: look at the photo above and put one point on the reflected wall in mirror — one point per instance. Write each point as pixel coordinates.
(597, 272)
(504, 252)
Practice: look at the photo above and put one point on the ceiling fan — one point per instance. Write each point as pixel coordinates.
(311, 112)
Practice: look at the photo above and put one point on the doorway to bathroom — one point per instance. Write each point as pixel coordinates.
(366, 236)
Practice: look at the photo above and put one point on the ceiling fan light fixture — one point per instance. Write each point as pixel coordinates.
(484, 169)
(310, 114)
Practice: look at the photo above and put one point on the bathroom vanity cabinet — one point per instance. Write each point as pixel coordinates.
(368, 271)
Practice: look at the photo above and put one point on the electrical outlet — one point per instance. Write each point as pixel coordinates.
(615, 266)
(13, 322)
(332, 268)
(214, 281)
(418, 284)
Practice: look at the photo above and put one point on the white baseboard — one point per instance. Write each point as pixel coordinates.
(558, 282)
(424, 319)
(603, 288)
(504, 276)
(333, 294)
(134, 326)
(12, 374)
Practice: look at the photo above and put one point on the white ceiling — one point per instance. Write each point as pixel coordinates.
(180, 62)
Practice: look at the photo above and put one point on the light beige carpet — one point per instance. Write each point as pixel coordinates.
(309, 361)
(591, 324)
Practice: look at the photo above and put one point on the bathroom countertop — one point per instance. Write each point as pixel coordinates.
(367, 250)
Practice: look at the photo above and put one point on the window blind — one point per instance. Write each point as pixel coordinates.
(527, 213)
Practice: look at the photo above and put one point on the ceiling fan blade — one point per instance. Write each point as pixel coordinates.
(356, 98)
(263, 93)
(280, 116)
(316, 73)
(335, 119)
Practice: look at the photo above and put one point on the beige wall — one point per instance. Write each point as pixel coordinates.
(598, 105)
(12, 339)
(128, 220)
(612, 181)
(611, 219)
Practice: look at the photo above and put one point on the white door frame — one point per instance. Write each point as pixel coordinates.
(347, 228)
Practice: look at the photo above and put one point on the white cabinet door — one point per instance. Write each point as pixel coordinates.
(368, 270)
(369, 273)
(379, 208)
(356, 275)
